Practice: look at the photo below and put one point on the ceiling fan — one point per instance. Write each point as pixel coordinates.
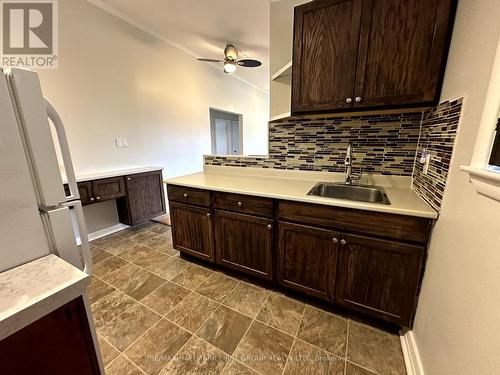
(231, 61)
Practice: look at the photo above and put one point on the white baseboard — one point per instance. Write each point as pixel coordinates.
(411, 354)
(107, 231)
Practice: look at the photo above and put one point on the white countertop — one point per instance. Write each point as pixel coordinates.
(32, 290)
(96, 175)
(294, 186)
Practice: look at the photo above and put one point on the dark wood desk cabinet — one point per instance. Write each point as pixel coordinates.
(364, 54)
(58, 343)
(139, 197)
(366, 261)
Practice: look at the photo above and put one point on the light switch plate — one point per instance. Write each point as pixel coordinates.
(125, 142)
(119, 142)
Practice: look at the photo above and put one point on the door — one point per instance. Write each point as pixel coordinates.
(226, 132)
(307, 259)
(379, 277)
(403, 47)
(192, 230)
(325, 49)
(245, 243)
(145, 197)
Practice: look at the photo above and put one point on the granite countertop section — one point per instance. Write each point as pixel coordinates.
(32, 290)
(294, 186)
(88, 176)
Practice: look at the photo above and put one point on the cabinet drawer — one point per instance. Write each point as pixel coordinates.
(85, 191)
(108, 188)
(400, 227)
(188, 195)
(245, 204)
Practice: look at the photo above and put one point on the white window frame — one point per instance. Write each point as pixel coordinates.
(486, 179)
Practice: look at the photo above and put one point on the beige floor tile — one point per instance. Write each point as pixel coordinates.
(165, 247)
(224, 329)
(217, 287)
(123, 275)
(165, 298)
(193, 277)
(109, 307)
(192, 312)
(120, 247)
(325, 330)
(159, 228)
(136, 252)
(122, 366)
(247, 299)
(129, 326)
(107, 266)
(281, 312)
(108, 241)
(99, 255)
(236, 368)
(98, 289)
(141, 286)
(352, 369)
(170, 269)
(152, 259)
(108, 353)
(157, 346)
(264, 349)
(375, 349)
(306, 359)
(197, 357)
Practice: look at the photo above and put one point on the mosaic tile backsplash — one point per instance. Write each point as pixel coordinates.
(439, 128)
(383, 144)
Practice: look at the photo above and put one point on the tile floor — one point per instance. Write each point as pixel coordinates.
(157, 313)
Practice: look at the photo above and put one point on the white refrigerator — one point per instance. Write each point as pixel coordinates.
(35, 212)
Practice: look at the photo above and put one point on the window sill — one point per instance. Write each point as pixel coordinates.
(485, 181)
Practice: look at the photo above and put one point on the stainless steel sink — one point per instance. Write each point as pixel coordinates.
(363, 193)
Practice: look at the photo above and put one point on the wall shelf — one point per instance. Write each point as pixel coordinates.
(280, 116)
(284, 72)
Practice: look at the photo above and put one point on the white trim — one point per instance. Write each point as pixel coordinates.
(280, 116)
(486, 182)
(285, 71)
(107, 231)
(124, 17)
(411, 354)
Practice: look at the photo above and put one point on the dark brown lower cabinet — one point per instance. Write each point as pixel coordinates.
(245, 243)
(307, 259)
(58, 343)
(379, 277)
(192, 230)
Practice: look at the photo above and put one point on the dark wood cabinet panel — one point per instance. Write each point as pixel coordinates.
(402, 52)
(58, 343)
(379, 277)
(192, 230)
(145, 198)
(326, 34)
(181, 194)
(85, 191)
(108, 188)
(245, 204)
(244, 243)
(307, 259)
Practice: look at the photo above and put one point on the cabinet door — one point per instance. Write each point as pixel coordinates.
(245, 243)
(307, 259)
(325, 49)
(108, 188)
(402, 53)
(145, 198)
(58, 343)
(192, 230)
(379, 277)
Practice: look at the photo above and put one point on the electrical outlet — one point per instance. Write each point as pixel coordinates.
(426, 163)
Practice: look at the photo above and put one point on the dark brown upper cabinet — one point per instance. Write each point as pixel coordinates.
(355, 54)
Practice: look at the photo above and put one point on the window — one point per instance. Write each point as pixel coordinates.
(226, 132)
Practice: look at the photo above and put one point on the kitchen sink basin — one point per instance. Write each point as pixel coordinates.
(363, 193)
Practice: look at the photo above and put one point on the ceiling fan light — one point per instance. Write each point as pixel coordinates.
(229, 66)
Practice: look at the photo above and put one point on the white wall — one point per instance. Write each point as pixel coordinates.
(117, 81)
(457, 325)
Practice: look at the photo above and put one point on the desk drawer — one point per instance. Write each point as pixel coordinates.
(198, 197)
(245, 204)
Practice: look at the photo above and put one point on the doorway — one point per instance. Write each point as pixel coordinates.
(226, 132)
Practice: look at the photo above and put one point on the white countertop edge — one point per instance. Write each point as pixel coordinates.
(88, 176)
(20, 315)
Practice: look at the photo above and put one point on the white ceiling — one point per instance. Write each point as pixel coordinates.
(202, 28)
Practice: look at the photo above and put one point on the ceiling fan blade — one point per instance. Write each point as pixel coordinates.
(249, 63)
(210, 60)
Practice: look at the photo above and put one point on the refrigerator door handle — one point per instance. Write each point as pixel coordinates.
(63, 143)
(82, 229)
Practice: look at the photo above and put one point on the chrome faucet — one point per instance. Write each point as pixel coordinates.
(349, 176)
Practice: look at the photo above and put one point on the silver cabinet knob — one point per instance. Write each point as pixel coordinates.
(92, 199)
(335, 240)
(348, 100)
(185, 195)
(240, 204)
(269, 226)
(98, 198)
(208, 214)
(128, 178)
(357, 99)
(343, 242)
